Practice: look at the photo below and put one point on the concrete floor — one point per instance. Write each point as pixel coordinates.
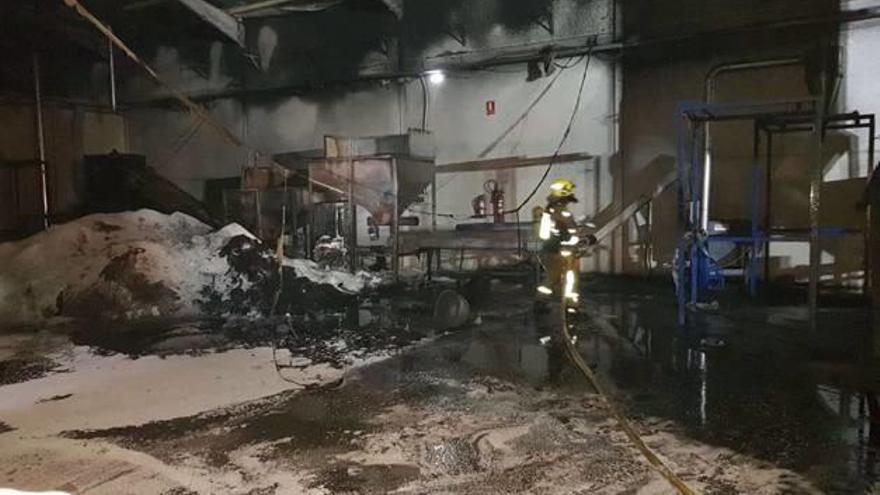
(746, 400)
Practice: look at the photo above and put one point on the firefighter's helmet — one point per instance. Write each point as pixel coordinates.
(562, 188)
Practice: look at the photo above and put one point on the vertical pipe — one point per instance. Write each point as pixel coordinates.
(872, 126)
(683, 226)
(706, 179)
(618, 161)
(310, 216)
(41, 139)
(112, 63)
(649, 237)
(768, 201)
(695, 272)
(597, 205)
(697, 258)
(434, 201)
(283, 219)
(815, 199)
(395, 223)
(615, 18)
(756, 190)
(697, 174)
(258, 204)
(352, 219)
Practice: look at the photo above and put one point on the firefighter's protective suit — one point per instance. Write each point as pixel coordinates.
(558, 233)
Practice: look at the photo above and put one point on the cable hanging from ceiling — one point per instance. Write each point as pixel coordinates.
(565, 134)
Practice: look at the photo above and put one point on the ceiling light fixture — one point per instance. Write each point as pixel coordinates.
(436, 77)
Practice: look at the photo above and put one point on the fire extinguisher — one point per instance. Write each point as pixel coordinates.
(479, 206)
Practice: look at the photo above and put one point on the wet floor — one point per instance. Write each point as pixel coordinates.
(756, 379)
(753, 379)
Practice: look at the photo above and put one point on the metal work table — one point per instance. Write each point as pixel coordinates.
(506, 237)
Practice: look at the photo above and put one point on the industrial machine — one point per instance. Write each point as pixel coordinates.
(372, 181)
(696, 270)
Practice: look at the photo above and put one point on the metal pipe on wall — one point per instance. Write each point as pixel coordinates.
(41, 138)
(709, 97)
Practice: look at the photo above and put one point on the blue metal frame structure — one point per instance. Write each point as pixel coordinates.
(695, 270)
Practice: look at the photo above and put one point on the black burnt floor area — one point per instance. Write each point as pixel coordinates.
(755, 379)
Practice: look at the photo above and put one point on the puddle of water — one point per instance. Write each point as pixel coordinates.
(753, 379)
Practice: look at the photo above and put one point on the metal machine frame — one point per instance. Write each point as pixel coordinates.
(354, 189)
(693, 265)
(788, 125)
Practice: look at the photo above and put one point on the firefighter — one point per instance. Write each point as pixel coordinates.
(558, 233)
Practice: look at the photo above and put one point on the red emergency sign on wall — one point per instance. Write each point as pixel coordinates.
(490, 107)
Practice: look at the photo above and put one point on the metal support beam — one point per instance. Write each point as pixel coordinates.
(510, 162)
(231, 27)
(267, 6)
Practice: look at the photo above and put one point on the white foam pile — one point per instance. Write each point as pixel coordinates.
(342, 281)
(126, 265)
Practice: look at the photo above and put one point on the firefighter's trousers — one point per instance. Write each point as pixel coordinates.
(561, 277)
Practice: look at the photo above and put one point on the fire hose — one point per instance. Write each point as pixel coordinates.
(653, 460)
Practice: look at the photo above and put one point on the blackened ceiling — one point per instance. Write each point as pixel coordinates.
(329, 39)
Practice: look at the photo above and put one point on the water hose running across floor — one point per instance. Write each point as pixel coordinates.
(634, 437)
